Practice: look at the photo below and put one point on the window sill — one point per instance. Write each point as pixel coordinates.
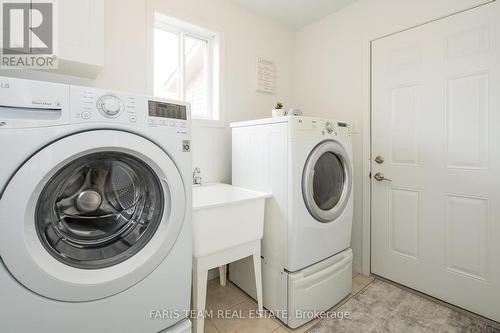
(207, 123)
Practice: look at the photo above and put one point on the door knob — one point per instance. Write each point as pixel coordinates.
(380, 177)
(379, 159)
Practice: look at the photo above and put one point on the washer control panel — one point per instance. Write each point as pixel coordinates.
(29, 103)
(110, 106)
(165, 113)
(88, 104)
(95, 105)
(329, 127)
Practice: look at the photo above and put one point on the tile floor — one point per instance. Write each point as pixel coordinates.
(404, 312)
(383, 307)
(236, 303)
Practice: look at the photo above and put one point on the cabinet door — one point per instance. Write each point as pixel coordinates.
(80, 31)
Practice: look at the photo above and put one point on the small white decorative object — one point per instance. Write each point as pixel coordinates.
(266, 76)
(278, 110)
(294, 112)
(278, 113)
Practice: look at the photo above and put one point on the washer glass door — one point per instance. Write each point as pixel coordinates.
(327, 181)
(99, 210)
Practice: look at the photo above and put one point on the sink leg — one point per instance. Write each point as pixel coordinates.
(258, 279)
(222, 275)
(199, 298)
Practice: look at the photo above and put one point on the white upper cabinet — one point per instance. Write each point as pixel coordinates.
(79, 36)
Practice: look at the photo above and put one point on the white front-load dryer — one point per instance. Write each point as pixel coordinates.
(321, 182)
(306, 163)
(95, 201)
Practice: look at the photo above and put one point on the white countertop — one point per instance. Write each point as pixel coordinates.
(218, 194)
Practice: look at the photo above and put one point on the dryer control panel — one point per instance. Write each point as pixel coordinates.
(303, 128)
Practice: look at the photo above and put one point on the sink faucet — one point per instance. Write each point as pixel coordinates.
(197, 176)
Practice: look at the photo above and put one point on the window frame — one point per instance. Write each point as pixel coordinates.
(158, 20)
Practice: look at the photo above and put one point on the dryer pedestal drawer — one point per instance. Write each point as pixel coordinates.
(318, 287)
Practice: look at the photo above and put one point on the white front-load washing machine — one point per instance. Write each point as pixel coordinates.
(306, 163)
(95, 210)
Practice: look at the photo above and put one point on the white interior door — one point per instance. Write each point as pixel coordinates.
(436, 126)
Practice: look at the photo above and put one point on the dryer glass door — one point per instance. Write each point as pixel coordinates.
(327, 181)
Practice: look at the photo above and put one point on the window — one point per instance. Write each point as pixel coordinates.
(185, 65)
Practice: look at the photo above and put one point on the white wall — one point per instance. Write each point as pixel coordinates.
(331, 67)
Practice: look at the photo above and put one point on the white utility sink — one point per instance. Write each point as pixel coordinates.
(225, 216)
(228, 224)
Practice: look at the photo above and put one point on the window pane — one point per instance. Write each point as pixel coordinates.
(196, 76)
(166, 64)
